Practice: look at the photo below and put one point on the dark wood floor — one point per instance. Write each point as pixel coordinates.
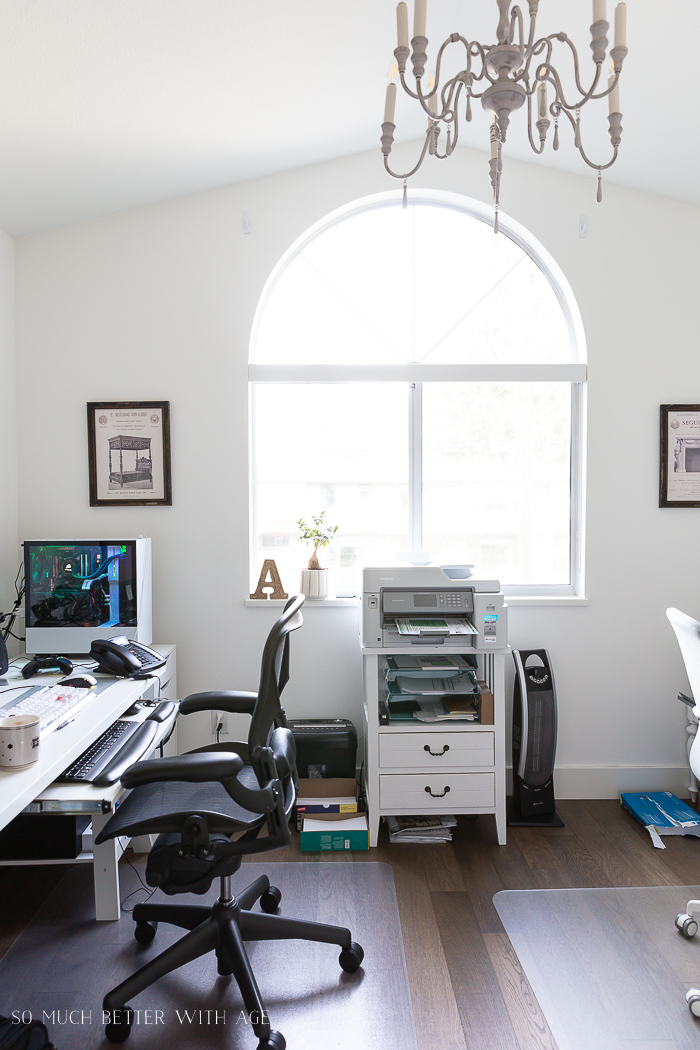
(466, 984)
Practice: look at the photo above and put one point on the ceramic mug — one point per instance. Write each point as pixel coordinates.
(19, 741)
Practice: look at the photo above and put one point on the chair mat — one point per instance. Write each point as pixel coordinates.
(608, 967)
(63, 963)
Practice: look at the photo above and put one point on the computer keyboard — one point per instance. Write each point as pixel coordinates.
(94, 759)
(104, 762)
(52, 703)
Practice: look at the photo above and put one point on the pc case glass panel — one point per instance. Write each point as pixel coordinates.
(341, 448)
(75, 584)
(497, 478)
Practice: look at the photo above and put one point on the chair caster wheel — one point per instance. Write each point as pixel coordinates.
(270, 902)
(145, 931)
(274, 1041)
(692, 997)
(119, 1025)
(686, 925)
(351, 958)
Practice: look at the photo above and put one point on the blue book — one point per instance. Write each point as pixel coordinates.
(661, 813)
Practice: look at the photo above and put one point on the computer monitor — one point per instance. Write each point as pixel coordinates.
(79, 590)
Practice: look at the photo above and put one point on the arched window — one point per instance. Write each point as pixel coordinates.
(420, 380)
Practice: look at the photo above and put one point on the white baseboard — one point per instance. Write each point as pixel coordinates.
(610, 781)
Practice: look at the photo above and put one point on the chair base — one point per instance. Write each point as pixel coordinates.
(223, 929)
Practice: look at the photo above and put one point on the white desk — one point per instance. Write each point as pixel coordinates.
(33, 789)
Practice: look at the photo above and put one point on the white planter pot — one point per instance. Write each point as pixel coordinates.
(314, 583)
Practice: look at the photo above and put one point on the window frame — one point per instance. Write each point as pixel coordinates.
(416, 374)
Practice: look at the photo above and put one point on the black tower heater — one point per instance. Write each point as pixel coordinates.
(534, 741)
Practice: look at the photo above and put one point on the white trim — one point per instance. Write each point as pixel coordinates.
(414, 374)
(310, 603)
(418, 373)
(611, 781)
(508, 227)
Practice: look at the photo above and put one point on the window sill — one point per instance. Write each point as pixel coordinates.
(327, 603)
(532, 600)
(544, 599)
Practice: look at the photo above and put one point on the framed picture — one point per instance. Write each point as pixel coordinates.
(129, 453)
(680, 456)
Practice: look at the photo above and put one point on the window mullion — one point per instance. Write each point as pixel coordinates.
(415, 466)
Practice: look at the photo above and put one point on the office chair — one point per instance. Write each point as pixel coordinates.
(687, 632)
(196, 802)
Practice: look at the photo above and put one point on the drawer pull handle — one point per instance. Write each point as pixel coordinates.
(432, 793)
(436, 754)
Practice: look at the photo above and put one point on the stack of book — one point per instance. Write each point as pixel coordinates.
(420, 829)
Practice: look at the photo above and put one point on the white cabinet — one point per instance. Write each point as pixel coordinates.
(423, 768)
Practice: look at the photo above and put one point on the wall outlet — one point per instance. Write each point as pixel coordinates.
(220, 716)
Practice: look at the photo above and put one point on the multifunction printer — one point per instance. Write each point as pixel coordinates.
(404, 607)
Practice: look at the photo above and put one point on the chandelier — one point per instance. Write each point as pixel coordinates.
(514, 72)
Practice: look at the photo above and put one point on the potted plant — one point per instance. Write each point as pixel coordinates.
(314, 578)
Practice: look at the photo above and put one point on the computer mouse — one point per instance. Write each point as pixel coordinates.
(80, 681)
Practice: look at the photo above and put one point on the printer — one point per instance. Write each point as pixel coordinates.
(405, 607)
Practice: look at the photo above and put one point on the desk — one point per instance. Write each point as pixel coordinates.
(33, 789)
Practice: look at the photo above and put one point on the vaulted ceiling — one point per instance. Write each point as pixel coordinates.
(110, 104)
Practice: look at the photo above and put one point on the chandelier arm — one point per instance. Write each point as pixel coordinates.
(405, 86)
(609, 88)
(590, 93)
(543, 42)
(479, 50)
(553, 77)
(599, 167)
(420, 160)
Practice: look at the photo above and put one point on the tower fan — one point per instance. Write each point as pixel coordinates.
(534, 741)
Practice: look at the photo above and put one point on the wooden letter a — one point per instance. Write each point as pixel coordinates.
(266, 585)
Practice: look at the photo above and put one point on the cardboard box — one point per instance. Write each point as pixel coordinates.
(485, 705)
(326, 797)
(333, 832)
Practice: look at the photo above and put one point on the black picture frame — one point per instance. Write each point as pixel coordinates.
(679, 475)
(117, 432)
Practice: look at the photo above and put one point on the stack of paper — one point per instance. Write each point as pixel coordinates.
(433, 625)
(420, 829)
(436, 666)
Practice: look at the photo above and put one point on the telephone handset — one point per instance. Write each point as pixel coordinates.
(124, 658)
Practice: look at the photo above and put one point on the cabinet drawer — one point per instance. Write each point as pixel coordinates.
(399, 792)
(439, 750)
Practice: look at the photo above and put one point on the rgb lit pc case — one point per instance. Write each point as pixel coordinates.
(79, 590)
(534, 740)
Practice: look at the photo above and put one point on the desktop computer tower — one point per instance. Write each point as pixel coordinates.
(534, 741)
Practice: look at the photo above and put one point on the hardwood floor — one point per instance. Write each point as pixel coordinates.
(467, 987)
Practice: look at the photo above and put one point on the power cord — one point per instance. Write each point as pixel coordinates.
(149, 891)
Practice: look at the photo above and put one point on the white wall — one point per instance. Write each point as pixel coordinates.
(8, 432)
(158, 303)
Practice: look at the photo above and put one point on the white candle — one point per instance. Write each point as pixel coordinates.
(614, 97)
(432, 104)
(494, 140)
(390, 104)
(599, 11)
(402, 24)
(620, 25)
(419, 17)
(542, 101)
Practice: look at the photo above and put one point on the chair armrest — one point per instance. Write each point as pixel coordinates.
(234, 702)
(194, 768)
